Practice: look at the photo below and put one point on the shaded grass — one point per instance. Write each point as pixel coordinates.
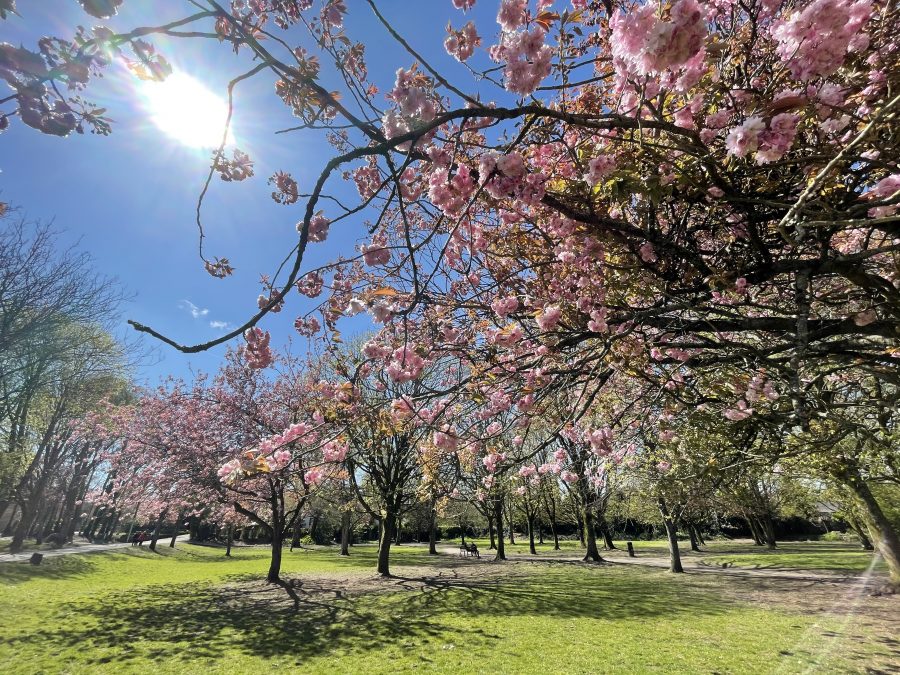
(192, 610)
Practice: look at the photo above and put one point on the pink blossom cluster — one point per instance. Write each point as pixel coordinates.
(445, 440)
(885, 189)
(814, 41)
(451, 194)
(508, 176)
(376, 253)
(405, 365)
(257, 352)
(310, 284)
(769, 143)
(503, 307)
(335, 451)
(512, 14)
(549, 317)
(644, 44)
(527, 59)
(599, 167)
(491, 461)
(601, 441)
(314, 476)
(318, 227)
(461, 43)
(569, 476)
(464, 5)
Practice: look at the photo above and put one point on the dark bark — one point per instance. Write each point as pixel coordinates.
(388, 523)
(768, 531)
(672, 534)
(228, 538)
(274, 575)
(157, 528)
(493, 545)
(608, 543)
(175, 530)
(590, 538)
(432, 532)
(345, 532)
(498, 517)
(754, 531)
(531, 547)
(692, 533)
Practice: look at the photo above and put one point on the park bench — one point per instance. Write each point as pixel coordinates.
(469, 549)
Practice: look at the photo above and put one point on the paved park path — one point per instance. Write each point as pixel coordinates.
(78, 547)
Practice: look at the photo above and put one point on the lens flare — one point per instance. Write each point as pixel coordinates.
(183, 108)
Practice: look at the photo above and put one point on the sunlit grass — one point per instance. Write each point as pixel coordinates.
(193, 610)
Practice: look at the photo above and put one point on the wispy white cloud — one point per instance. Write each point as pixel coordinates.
(218, 325)
(195, 311)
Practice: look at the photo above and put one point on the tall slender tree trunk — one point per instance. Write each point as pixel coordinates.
(754, 530)
(228, 539)
(531, 547)
(692, 533)
(274, 575)
(432, 532)
(592, 554)
(388, 523)
(498, 517)
(157, 528)
(345, 532)
(608, 542)
(493, 545)
(882, 532)
(175, 530)
(295, 534)
(555, 535)
(768, 531)
(672, 534)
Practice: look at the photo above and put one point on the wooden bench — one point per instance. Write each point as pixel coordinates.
(469, 549)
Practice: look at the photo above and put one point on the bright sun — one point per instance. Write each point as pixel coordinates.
(186, 110)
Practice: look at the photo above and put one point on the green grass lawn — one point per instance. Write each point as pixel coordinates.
(192, 610)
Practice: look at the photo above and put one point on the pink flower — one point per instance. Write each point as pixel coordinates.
(664, 466)
(314, 476)
(643, 44)
(461, 44)
(257, 352)
(494, 428)
(503, 307)
(464, 5)
(745, 138)
(775, 141)
(511, 14)
(647, 253)
(569, 477)
(599, 168)
(814, 41)
(548, 318)
(318, 228)
(335, 451)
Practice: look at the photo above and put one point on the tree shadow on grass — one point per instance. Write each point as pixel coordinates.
(306, 618)
(60, 567)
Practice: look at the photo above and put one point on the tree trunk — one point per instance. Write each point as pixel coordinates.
(509, 518)
(580, 527)
(531, 547)
(432, 533)
(295, 534)
(498, 517)
(228, 539)
(175, 531)
(754, 531)
(860, 532)
(880, 528)
(672, 533)
(345, 532)
(493, 546)
(388, 523)
(768, 530)
(692, 532)
(590, 539)
(608, 543)
(555, 535)
(156, 529)
(274, 575)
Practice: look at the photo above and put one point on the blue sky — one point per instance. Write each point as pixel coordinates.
(129, 198)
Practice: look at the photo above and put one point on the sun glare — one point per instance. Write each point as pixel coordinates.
(186, 110)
